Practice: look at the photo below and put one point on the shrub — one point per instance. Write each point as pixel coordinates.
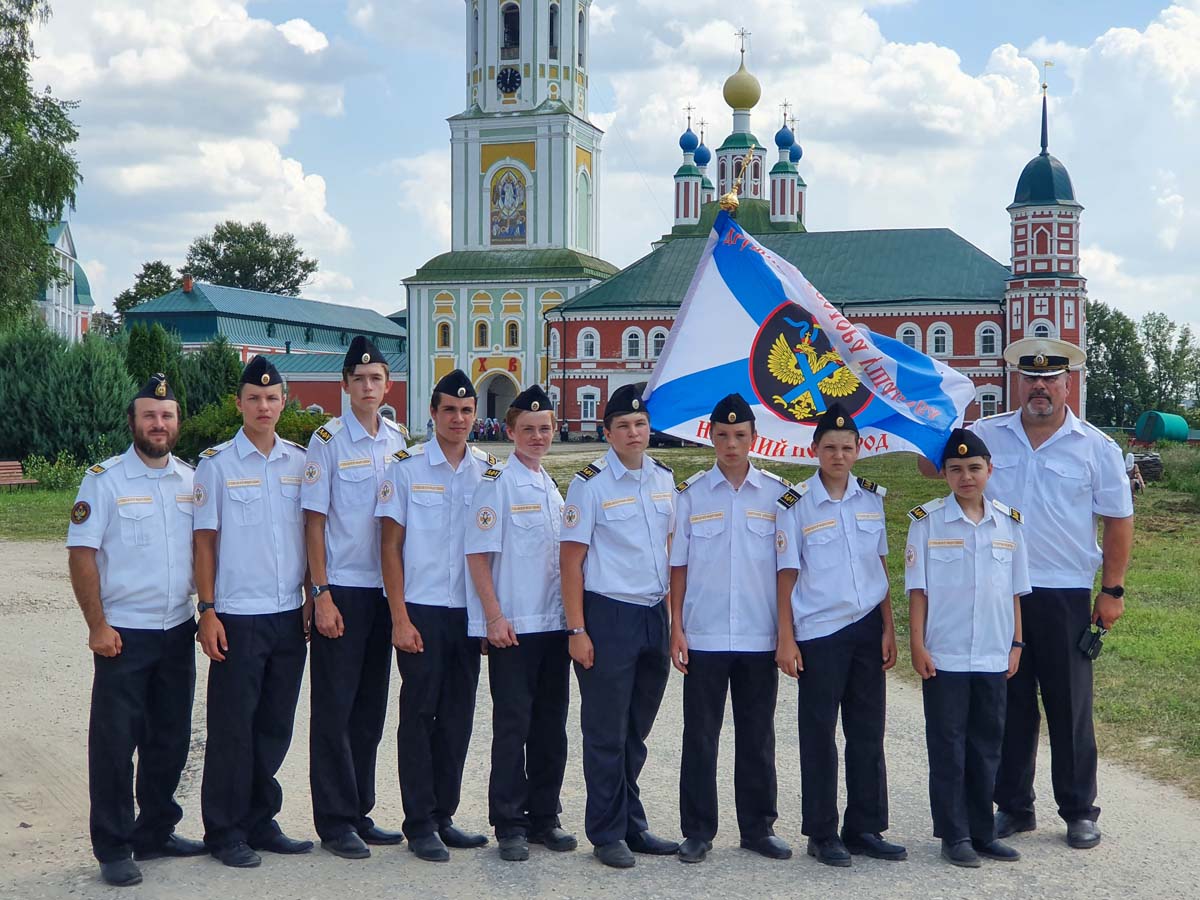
(63, 474)
(218, 422)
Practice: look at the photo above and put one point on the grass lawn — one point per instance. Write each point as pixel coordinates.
(1147, 679)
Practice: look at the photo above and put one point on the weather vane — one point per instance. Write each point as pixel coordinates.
(1046, 65)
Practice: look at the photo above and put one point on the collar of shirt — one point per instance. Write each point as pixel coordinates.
(954, 511)
(816, 487)
(356, 431)
(245, 446)
(1070, 425)
(521, 473)
(613, 463)
(135, 466)
(716, 477)
(433, 452)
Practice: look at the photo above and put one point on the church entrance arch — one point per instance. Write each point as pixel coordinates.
(496, 392)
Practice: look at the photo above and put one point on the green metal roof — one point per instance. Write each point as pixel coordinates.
(83, 289)
(783, 167)
(329, 363)
(687, 170)
(741, 140)
(753, 215)
(54, 231)
(511, 265)
(1044, 182)
(848, 267)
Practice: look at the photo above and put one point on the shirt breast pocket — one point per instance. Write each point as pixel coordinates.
(136, 522)
(619, 512)
(528, 537)
(427, 510)
(946, 566)
(762, 535)
(823, 549)
(867, 533)
(1071, 485)
(247, 505)
(291, 500)
(356, 486)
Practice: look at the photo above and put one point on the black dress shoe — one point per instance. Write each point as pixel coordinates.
(830, 851)
(615, 854)
(347, 846)
(237, 855)
(874, 846)
(960, 853)
(693, 850)
(381, 836)
(514, 848)
(174, 845)
(995, 850)
(770, 846)
(121, 872)
(282, 844)
(652, 844)
(429, 847)
(455, 837)
(555, 839)
(1083, 834)
(1008, 824)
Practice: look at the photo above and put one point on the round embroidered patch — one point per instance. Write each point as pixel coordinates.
(571, 516)
(199, 495)
(780, 542)
(486, 518)
(385, 491)
(80, 512)
(910, 556)
(312, 473)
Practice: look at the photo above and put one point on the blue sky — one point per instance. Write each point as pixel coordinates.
(327, 118)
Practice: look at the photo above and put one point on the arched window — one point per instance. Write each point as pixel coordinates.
(583, 212)
(939, 340)
(989, 403)
(589, 403)
(988, 339)
(481, 335)
(443, 336)
(658, 341)
(910, 336)
(512, 334)
(555, 346)
(589, 344)
(475, 37)
(553, 392)
(1041, 330)
(1041, 242)
(582, 40)
(508, 212)
(314, 408)
(510, 31)
(632, 344)
(388, 412)
(554, 29)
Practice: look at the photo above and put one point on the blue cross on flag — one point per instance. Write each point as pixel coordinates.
(752, 324)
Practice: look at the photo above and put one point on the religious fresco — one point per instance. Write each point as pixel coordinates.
(508, 207)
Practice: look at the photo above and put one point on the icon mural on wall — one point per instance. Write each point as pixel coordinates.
(508, 207)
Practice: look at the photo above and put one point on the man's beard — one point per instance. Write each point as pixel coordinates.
(1048, 413)
(142, 443)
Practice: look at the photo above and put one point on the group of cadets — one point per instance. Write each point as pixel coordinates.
(363, 543)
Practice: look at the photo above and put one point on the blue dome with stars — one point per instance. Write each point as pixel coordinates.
(703, 156)
(784, 138)
(688, 141)
(796, 152)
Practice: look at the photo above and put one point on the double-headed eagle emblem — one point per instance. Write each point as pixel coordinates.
(813, 374)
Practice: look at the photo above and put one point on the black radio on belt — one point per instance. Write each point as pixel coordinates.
(1091, 642)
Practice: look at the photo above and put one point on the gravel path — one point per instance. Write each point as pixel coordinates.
(45, 674)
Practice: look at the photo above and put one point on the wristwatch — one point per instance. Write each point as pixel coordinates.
(571, 632)
(1018, 645)
(1118, 591)
(317, 590)
(202, 607)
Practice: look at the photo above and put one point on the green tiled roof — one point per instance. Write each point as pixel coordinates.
(54, 231)
(848, 267)
(753, 215)
(329, 363)
(511, 265)
(83, 289)
(741, 140)
(687, 170)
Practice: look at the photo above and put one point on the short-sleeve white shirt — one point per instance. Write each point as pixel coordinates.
(836, 545)
(341, 481)
(139, 522)
(726, 538)
(625, 517)
(515, 517)
(1060, 488)
(970, 573)
(253, 503)
(431, 499)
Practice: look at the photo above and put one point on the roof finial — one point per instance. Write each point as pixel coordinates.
(1046, 64)
(702, 123)
(689, 109)
(786, 108)
(741, 34)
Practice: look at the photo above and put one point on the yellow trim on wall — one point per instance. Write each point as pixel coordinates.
(443, 305)
(583, 158)
(522, 151)
(513, 303)
(550, 299)
(442, 366)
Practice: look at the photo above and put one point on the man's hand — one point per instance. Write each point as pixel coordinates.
(889, 648)
(679, 650)
(1108, 609)
(923, 662)
(405, 637)
(500, 633)
(1014, 661)
(306, 619)
(329, 618)
(104, 640)
(581, 649)
(212, 636)
(788, 658)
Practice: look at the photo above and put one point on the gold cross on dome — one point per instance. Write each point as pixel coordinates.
(741, 34)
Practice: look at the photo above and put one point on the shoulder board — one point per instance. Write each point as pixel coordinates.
(553, 479)
(401, 455)
(184, 463)
(775, 477)
(592, 469)
(1103, 434)
(493, 474)
(684, 485)
(917, 513)
(293, 444)
(102, 467)
(1009, 511)
(213, 451)
(792, 495)
(399, 427)
(868, 485)
(487, 457)
(661, 465)
(326, 432)
(997, 415)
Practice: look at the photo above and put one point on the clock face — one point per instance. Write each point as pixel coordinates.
(508, 80)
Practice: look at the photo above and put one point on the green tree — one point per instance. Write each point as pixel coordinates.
(1117, 384)
(210, 374)
(1173, 360)
(218, 422)
(154, 349)
(251, 257)
(104, 325)
(155, 279)
(38, 170)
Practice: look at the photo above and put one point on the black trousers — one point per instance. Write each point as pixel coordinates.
(843, 671)
(964, 726)
(753, 679)
(619, 699)
(141, 700)
(531, 686)
(437, 710)
(251, 707)
(1051, 620)
(348, 684)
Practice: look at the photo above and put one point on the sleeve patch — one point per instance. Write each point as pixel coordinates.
(910, 556)
(82, 510)
(312, 473)
(571, 515)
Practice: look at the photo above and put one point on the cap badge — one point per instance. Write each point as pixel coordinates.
(962, 449)
(732, 417)
(366, 358)
(1040, 359)
(637, 404)
(535, 406)
(266, 379)
(160, 390)
(462, 392)
(840, 421)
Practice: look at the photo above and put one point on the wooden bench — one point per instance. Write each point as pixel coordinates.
(13, 475)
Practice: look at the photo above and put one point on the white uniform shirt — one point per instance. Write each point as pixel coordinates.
(835, 545)
(139, 522)
(1060, 488)
(970, 572)
(516, 516)
(431, 499)
(342, 472)
(625, 518)
(726, 538)
(253, 503)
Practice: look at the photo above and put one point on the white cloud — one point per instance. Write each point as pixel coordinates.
(422, 189)
(301, 33)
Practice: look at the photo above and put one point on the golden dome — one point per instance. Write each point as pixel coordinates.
(742, 90)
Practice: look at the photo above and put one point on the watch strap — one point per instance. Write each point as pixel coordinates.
(202, 607)
(571, 632)
(1118, 591)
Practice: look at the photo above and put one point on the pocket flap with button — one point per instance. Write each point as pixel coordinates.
(823, 548)
(707, 525)
(760, 522)
(946, 553)
(616, 510)
(428, 498)
(527, 519)
(134, 510)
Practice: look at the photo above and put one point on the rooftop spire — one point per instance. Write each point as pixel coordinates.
(1046, 64)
